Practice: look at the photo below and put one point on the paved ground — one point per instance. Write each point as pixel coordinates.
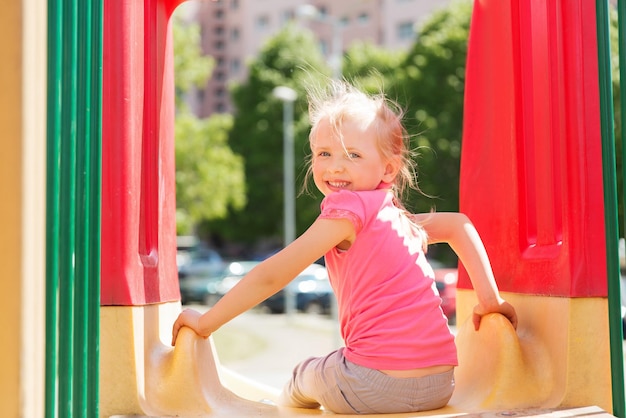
(265, 347)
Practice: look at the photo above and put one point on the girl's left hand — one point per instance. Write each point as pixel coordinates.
(187, 318)
(504, 308)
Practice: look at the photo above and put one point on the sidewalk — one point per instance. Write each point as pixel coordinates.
(282, 342)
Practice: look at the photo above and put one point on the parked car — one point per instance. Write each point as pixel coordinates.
(198, 274)
(312, 290)
(446, 279)
(185, 245)
(202, 262)
(198, 288)
(231, 276)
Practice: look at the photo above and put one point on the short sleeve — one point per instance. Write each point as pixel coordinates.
(344, 205)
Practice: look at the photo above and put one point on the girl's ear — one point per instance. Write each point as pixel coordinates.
(391, 170)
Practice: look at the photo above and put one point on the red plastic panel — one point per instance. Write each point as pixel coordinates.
(138, 177)
(531, 168)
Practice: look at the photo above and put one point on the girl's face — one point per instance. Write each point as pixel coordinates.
(356, 164)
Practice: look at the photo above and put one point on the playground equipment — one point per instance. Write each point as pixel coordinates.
(542, 215)
(532, 117)
(534, 101)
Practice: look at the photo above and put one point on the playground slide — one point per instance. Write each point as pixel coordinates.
(499, 373)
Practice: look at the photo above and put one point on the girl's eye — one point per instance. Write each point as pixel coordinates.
(323, 154)
(354, 155)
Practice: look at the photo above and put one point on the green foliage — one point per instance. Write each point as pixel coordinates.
(191, 67)
(430, 85)
(291, 58)
(209, 175)
(370, 66)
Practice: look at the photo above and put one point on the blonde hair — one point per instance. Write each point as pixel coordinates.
(341, 102)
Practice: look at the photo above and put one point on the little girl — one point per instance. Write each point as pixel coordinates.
(399, 353)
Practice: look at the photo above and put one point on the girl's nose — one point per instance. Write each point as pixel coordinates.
(336, 165)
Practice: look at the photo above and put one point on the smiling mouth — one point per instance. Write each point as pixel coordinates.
(338, 184)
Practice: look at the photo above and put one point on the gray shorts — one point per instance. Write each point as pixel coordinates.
(343, 387)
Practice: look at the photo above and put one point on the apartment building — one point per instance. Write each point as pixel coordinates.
(233, 31)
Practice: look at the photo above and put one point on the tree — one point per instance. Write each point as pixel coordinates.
(430, 85)
(191, 67)
(257, 135)
(370, 66)
(209, 175)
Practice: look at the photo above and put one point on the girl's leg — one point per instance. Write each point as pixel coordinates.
(314, 383)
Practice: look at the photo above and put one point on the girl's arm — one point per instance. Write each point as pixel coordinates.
(456, 230)
(269, 276)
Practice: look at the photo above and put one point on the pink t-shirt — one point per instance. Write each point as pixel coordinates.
(389, 308)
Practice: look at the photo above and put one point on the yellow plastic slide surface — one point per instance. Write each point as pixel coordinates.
(523, 373)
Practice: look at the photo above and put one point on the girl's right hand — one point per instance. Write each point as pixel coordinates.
(187, 318)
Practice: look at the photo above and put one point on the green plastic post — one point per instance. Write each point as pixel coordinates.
(73, 208)
(610, 206)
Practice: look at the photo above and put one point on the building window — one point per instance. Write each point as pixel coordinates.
(262, 22)
(235, 66)
(235, 34)
(363, 18)
(219, 58)
(287, 15)
(405, 31)
(200, 95)
(234, 4)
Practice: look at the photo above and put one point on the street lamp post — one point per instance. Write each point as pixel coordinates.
(288, 96)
